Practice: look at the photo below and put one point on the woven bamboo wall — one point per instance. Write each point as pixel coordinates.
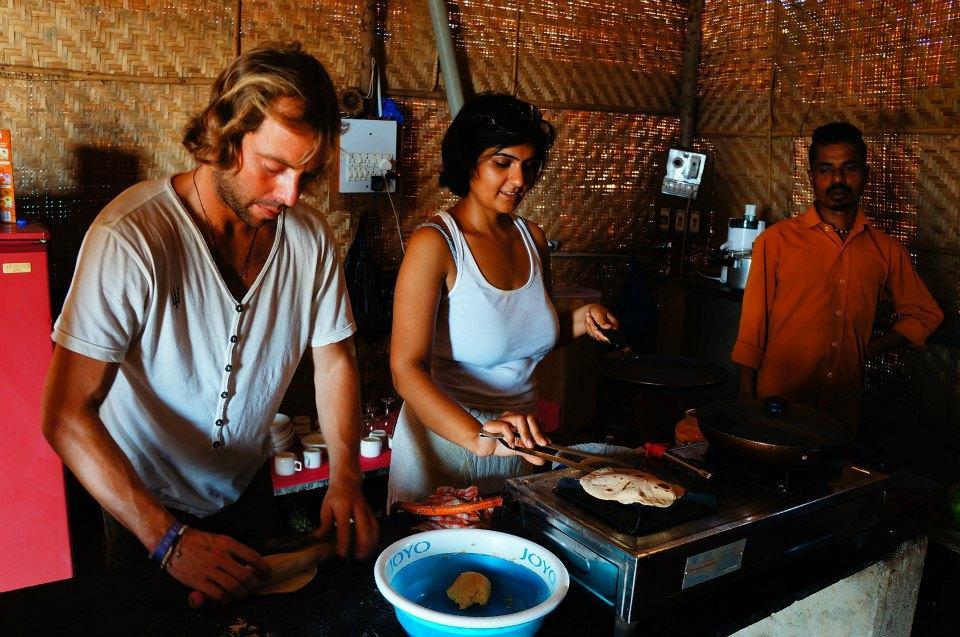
(772, 72)
(97, 94)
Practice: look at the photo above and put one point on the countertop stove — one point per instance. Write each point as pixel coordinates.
(731, 527)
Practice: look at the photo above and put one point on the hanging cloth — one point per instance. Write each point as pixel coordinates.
(368, 296)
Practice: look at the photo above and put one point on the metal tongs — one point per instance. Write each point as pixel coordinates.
(563, 455)
(618, 341)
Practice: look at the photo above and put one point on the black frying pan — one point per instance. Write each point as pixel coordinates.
(654, 370)
(772, 431)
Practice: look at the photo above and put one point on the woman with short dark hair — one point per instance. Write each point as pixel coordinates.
(473, 313)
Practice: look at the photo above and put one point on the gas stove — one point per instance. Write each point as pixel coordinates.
(742, 528)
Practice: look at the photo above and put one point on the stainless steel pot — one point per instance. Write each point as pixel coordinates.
(736, 272)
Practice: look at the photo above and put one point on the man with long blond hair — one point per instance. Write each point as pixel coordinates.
(193, 301)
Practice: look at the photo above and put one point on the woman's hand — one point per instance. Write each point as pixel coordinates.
(595, 317)
(518, 431)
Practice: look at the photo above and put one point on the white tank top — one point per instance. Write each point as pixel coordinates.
(488, 341)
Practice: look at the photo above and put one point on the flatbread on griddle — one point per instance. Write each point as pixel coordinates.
(631, 486)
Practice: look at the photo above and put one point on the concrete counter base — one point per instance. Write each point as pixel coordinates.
(877, 601)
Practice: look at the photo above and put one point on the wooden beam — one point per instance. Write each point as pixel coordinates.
(369, 50)
(238, 12)
(560, 106)
(688, 81)
(793, 133)
(54, 74)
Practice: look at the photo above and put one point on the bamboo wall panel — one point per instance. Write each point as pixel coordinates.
(593, 52)
(409, 48)
(72, 158)
(145, 37)
(579, 52)
(878, 64)
(484, 34)
(734, 71)
(750, 170)
(330, 29)
(599, 189)
(936, 192)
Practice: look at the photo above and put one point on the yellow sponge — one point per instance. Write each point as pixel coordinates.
(468, 589)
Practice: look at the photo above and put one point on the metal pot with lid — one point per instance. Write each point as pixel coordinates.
(772, 431)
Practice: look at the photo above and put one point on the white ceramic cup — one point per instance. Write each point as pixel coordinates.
(281, 420)
(370, 447)
(312, 458)
(285, 463)
(381, 434)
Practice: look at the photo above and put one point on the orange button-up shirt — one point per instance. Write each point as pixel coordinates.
(810, 303)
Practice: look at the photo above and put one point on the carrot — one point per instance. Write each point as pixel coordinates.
(433, 509)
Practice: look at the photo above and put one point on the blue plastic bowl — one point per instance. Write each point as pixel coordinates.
(528, 582)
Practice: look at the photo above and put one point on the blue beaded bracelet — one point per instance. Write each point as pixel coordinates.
(166, 542)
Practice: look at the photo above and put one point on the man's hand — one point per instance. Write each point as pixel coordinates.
(345, 507)
(216, 565)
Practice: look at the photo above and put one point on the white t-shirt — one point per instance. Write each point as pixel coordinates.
(194, 362)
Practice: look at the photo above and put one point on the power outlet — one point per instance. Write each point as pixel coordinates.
(680, 221)
(663, 222)
(368, 148)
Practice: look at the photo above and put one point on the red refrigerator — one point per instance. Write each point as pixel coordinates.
(34, 536)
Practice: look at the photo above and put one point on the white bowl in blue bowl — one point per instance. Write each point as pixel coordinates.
(527, 582)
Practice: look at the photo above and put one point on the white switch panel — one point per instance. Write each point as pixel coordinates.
(367, 148)
(684, 172)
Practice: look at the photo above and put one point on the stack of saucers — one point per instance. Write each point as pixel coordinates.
(302, 425)
(281, 432)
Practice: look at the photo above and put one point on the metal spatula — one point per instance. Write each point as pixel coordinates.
(618, 340)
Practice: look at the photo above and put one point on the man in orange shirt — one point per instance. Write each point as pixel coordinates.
(806, 326)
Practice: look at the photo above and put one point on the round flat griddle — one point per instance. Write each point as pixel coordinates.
(668, 372)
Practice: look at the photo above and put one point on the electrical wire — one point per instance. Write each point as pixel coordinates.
(396, 215)
(373, 70)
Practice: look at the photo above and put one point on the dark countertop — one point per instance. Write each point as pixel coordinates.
(343, 600)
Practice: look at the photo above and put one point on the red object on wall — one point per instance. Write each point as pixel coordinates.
(34, 535)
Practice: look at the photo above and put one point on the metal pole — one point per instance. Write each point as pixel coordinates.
(688, 85)
(448, 57)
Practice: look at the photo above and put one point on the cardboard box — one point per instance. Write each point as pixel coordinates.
(8, 209)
